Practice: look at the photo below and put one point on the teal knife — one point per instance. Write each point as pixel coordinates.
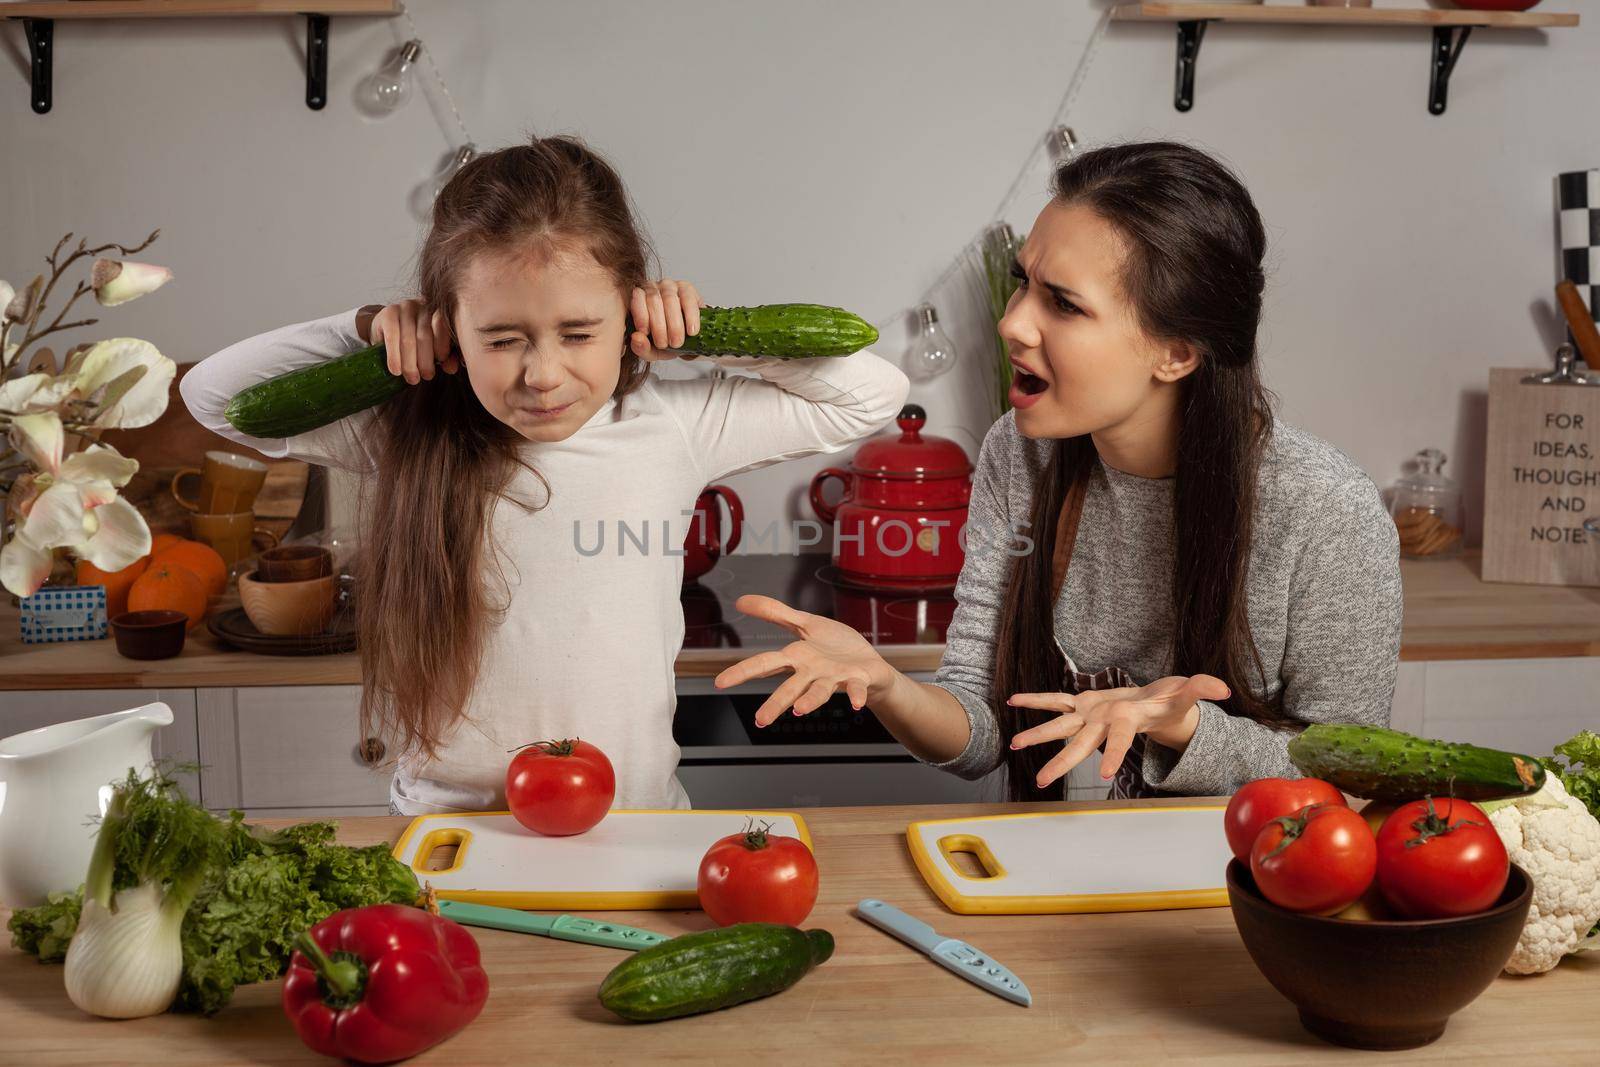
(953, 955)
(565, 927)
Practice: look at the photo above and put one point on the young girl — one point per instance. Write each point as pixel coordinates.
(531, 429)
(1202, 578)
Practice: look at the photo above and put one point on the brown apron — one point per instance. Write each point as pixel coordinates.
(1129, 781)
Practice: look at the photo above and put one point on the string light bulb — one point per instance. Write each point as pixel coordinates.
(390, 88)
(931, 353)
(463, 155)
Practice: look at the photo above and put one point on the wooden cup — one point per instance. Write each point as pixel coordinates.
(288, 608)
(229, 483)
(293, 563)
(235, 536)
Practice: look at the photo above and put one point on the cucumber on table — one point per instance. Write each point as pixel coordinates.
(1380, 764)
(712, 969)
(312, 397)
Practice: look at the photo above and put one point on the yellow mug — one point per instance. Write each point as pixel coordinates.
(235, 536)
(229, 483)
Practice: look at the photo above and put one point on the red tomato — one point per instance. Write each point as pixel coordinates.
(1320, 859)
(1259, 802)
(1440, 857)
(560, 787)
(757, 877)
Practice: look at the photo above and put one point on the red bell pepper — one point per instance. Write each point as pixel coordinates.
(384, 982)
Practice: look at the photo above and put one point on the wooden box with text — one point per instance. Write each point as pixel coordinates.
(1541, 481)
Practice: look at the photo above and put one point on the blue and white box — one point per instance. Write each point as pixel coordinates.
(64, 613)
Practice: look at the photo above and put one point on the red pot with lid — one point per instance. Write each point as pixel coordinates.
(899, 521)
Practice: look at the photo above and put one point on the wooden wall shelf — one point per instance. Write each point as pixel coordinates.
(191, 9)
(1450, 31)
(39, 19)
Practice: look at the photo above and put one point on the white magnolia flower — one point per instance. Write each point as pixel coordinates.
(7, 294)
(107, 361)
(101, 364)
(76, 506)
(118, 281)
(34, 393)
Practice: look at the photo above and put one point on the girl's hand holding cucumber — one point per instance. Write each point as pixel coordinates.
(670, 311)
(417, 340)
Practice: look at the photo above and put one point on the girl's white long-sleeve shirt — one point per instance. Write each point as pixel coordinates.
(594, 625)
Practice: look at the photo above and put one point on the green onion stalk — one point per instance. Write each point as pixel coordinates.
(996, 251)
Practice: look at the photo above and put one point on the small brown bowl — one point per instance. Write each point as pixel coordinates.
(150, 634)
(1383, 984)
(288, 608)
(293, 563)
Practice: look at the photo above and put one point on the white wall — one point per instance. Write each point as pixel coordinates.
(839, 151)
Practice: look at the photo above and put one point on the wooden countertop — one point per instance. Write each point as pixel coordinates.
(1449, 614)
(1136, 987)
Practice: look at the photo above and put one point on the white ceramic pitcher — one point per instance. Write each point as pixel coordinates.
(55, 782)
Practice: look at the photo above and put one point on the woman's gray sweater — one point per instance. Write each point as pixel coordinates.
(1323, 588)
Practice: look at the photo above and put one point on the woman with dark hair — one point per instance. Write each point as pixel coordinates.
(1156, 565)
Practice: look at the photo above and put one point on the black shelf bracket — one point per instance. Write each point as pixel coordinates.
(1447, 47)
(316, 62)
(1190, 34)
(41, 52)
(41, 34)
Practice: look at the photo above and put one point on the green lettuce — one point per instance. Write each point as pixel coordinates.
(1578, 763)
(262, 889)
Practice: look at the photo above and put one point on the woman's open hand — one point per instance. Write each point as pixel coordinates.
(1165, 709)
(829, 657)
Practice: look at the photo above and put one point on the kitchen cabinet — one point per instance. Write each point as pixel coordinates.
(294, 751)
(289, 749)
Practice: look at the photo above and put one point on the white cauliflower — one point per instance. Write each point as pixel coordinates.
(1552, 836)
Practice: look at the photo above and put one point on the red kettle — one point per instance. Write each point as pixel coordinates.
(703, 545)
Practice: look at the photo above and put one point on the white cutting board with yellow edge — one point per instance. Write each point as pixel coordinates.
(1104, 859)
(631, 860)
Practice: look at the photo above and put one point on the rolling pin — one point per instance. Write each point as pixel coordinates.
(1579, 322)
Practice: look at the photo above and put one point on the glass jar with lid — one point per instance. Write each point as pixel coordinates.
(1426, 507)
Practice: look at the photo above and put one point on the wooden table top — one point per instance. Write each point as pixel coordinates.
(1449, 614)
(1135, 987)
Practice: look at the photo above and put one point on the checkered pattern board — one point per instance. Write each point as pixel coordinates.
(1578, 202)
(64, 613)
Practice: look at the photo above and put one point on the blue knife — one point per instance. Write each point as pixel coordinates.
(564, 927)
(949, 952)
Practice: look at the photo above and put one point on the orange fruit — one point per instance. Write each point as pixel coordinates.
(117, 583)
(161, 542)
(200, 560)
(165, 586)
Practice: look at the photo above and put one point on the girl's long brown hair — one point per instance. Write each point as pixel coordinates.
(1193, 273)
(429, 588)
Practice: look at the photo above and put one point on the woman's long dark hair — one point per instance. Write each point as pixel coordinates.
(1194, 274)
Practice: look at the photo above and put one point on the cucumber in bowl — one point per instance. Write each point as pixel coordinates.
(1389, 765)
(312, 397)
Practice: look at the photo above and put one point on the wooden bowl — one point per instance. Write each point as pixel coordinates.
(293, 563)
(150, 634)
(1378, 985)
(287, 608)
